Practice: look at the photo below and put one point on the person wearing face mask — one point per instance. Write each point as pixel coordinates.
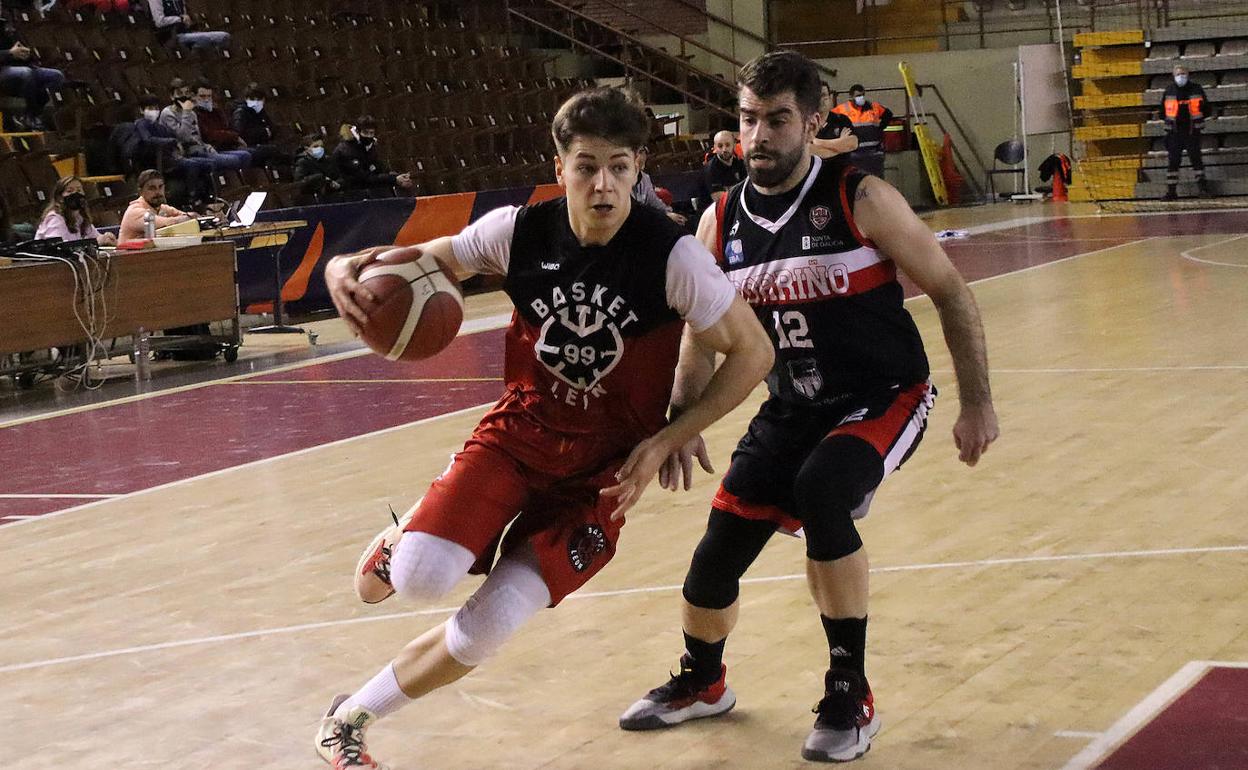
(317, 174)
(1184, 107)
(182, 117)
(359, 166)
(68, 217)
(253, 125)
(869, 119)
(156, 146)
(214, 125)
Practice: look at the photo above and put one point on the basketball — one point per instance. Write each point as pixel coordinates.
(418, 306)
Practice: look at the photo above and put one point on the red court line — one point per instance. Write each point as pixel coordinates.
(1205, 727)
(131, 446)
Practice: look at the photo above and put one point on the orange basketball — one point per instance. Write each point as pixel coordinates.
(418, 306)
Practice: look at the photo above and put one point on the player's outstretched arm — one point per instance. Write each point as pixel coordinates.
(349, 295)
(884, 216)
(747, 359)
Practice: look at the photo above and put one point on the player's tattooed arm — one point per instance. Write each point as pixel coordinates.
(884, 217)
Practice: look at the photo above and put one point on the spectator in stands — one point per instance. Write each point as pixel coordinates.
(173, 24)
(182, 118)
(68, 217)
(645, 193)
(357, 161)
(214, 125)
(723, 169)
(869, 119)
(837, 134)
(1184, 107)
(156, 146)
(21, 76)
(317, 174)
(255, 128)
(151, 199)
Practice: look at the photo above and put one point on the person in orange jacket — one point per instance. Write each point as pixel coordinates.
(869, 119)
(1184, 107)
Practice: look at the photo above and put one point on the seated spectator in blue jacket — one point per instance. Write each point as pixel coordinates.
(68, 217)
(173, 24)
(21, 76)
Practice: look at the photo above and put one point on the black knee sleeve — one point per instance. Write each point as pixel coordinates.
(726, 551)
(831, 483)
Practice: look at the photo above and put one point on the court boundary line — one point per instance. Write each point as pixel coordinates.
(919, 567)
(1187, 254)
(1145, 711)
(209, 474)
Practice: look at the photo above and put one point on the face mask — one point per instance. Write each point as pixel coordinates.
(256, 104)
(316, 153)
(860, 100)
(1180, 80)
(204, 104)
(151, 115)
(75, 201)
(179, 98)
(368, 142)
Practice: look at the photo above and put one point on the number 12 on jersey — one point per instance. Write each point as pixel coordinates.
(791, 329)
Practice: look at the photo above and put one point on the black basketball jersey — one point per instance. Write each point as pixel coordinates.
(829, 300)
(592, 347)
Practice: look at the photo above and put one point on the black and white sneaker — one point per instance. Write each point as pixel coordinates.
(846, 720)
(683, 698)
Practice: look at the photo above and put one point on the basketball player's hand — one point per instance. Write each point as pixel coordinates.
(975, 429)
(636, 474)
(681, 461)
(345, 290)
(677, 218)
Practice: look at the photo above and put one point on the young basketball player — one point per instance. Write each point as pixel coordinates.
(814, 246)
(602, 291)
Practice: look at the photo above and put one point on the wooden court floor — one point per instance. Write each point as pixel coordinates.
(1019, 608)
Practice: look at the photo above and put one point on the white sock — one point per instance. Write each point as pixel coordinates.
(380, 695)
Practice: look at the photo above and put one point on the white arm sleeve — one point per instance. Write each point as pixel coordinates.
(485, 245)
(696, 287)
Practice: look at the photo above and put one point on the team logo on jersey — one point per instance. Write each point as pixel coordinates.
(586, 542)
(734, 253)
(581, 340)
(806, 377)
(580, 345)
(820, 216)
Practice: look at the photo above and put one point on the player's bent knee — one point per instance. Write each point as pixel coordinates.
(832, 482)
(426, 567)
(513, 593)
(725, 552)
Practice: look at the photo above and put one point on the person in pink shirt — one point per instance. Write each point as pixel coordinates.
(68, 217)
(151, 198)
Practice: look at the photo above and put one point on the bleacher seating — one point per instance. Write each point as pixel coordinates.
(455, 104)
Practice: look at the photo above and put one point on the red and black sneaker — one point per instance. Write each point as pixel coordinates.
(683, 698)
(846, 720)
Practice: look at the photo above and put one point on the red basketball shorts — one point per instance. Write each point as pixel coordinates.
(488, 486)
